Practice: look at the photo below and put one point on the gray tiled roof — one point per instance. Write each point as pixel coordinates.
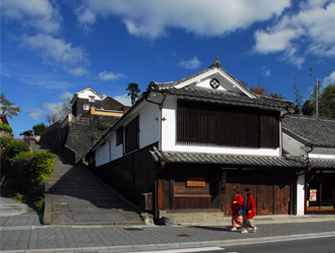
(311, 130)
(228, 98)
(239, 160)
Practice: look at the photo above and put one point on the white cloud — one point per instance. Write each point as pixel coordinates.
(274, 41)
(123, 99)
(151, 19)
(328, 79)
(190, 64)
(266, 71)
(53, 107)
(39, 14)
(36, 114)
(77, 71)
(86, 18)
(57, 51)
(309, 31)
(106, 76)
(66, 96)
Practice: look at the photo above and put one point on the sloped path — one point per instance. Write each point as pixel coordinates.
(75, 196)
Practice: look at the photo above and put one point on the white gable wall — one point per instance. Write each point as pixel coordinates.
(227, 83)
(169, 137)
(87, 94)
(148, 133)
(292, 146)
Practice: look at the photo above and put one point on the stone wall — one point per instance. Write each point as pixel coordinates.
(82, 136)
(54, 137)
(77, 138)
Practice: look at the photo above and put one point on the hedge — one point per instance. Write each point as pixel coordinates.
(29, 172)
(26, 172)
(9, 149)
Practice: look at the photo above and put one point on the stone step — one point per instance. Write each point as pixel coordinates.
(203, 218)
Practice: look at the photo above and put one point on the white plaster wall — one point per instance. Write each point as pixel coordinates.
(149, 134)
(149, 124)
(322, 153)
(169, 138)
(301, 195)
(102, 155)
(292, 146)
(116, 151)
(87, 94)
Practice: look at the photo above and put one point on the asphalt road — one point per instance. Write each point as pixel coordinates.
(305, 245)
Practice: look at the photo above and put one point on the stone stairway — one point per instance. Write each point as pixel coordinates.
(75, 196)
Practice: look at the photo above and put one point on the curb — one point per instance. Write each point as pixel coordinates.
(47, 204)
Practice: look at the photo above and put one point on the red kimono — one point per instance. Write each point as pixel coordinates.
(236, 207)
(250, 205)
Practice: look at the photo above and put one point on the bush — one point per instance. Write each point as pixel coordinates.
(19, 172)
(6, 128)
(41, 167)
(10, 148)
(29, 172)
(26, 172)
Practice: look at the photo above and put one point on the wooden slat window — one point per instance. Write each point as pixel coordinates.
(131, 135)
(221, 125)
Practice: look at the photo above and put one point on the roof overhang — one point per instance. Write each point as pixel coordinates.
(240, 160)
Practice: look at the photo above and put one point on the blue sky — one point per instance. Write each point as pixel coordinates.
(51, 49)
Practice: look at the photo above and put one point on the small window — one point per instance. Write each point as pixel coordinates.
(91, 99)
(86, 107)
(119, 136)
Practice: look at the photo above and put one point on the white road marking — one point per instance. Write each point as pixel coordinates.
(184, 250)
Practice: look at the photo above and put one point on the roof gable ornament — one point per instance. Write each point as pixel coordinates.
(216, 64)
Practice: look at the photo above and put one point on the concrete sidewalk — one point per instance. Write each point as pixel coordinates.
(75, 196)
(25, 233)
(98, 238)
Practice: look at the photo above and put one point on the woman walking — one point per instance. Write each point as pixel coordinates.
(249, 212)
(236, 205)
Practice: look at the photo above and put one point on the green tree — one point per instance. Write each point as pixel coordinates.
(8, 108)
(38, 128)
(327, 101)
(298, 96)
(134, 91)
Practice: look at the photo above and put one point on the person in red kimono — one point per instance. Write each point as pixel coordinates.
(236, 205)
(249, 212)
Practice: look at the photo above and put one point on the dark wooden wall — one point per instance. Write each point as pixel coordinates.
(131, 175)
(189, 187)
(272, 190)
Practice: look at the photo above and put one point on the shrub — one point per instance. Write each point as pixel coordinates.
(5, 140)
(6, 128)
(19, 172)
(28, 172)
(10, 148)
(41, 167)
